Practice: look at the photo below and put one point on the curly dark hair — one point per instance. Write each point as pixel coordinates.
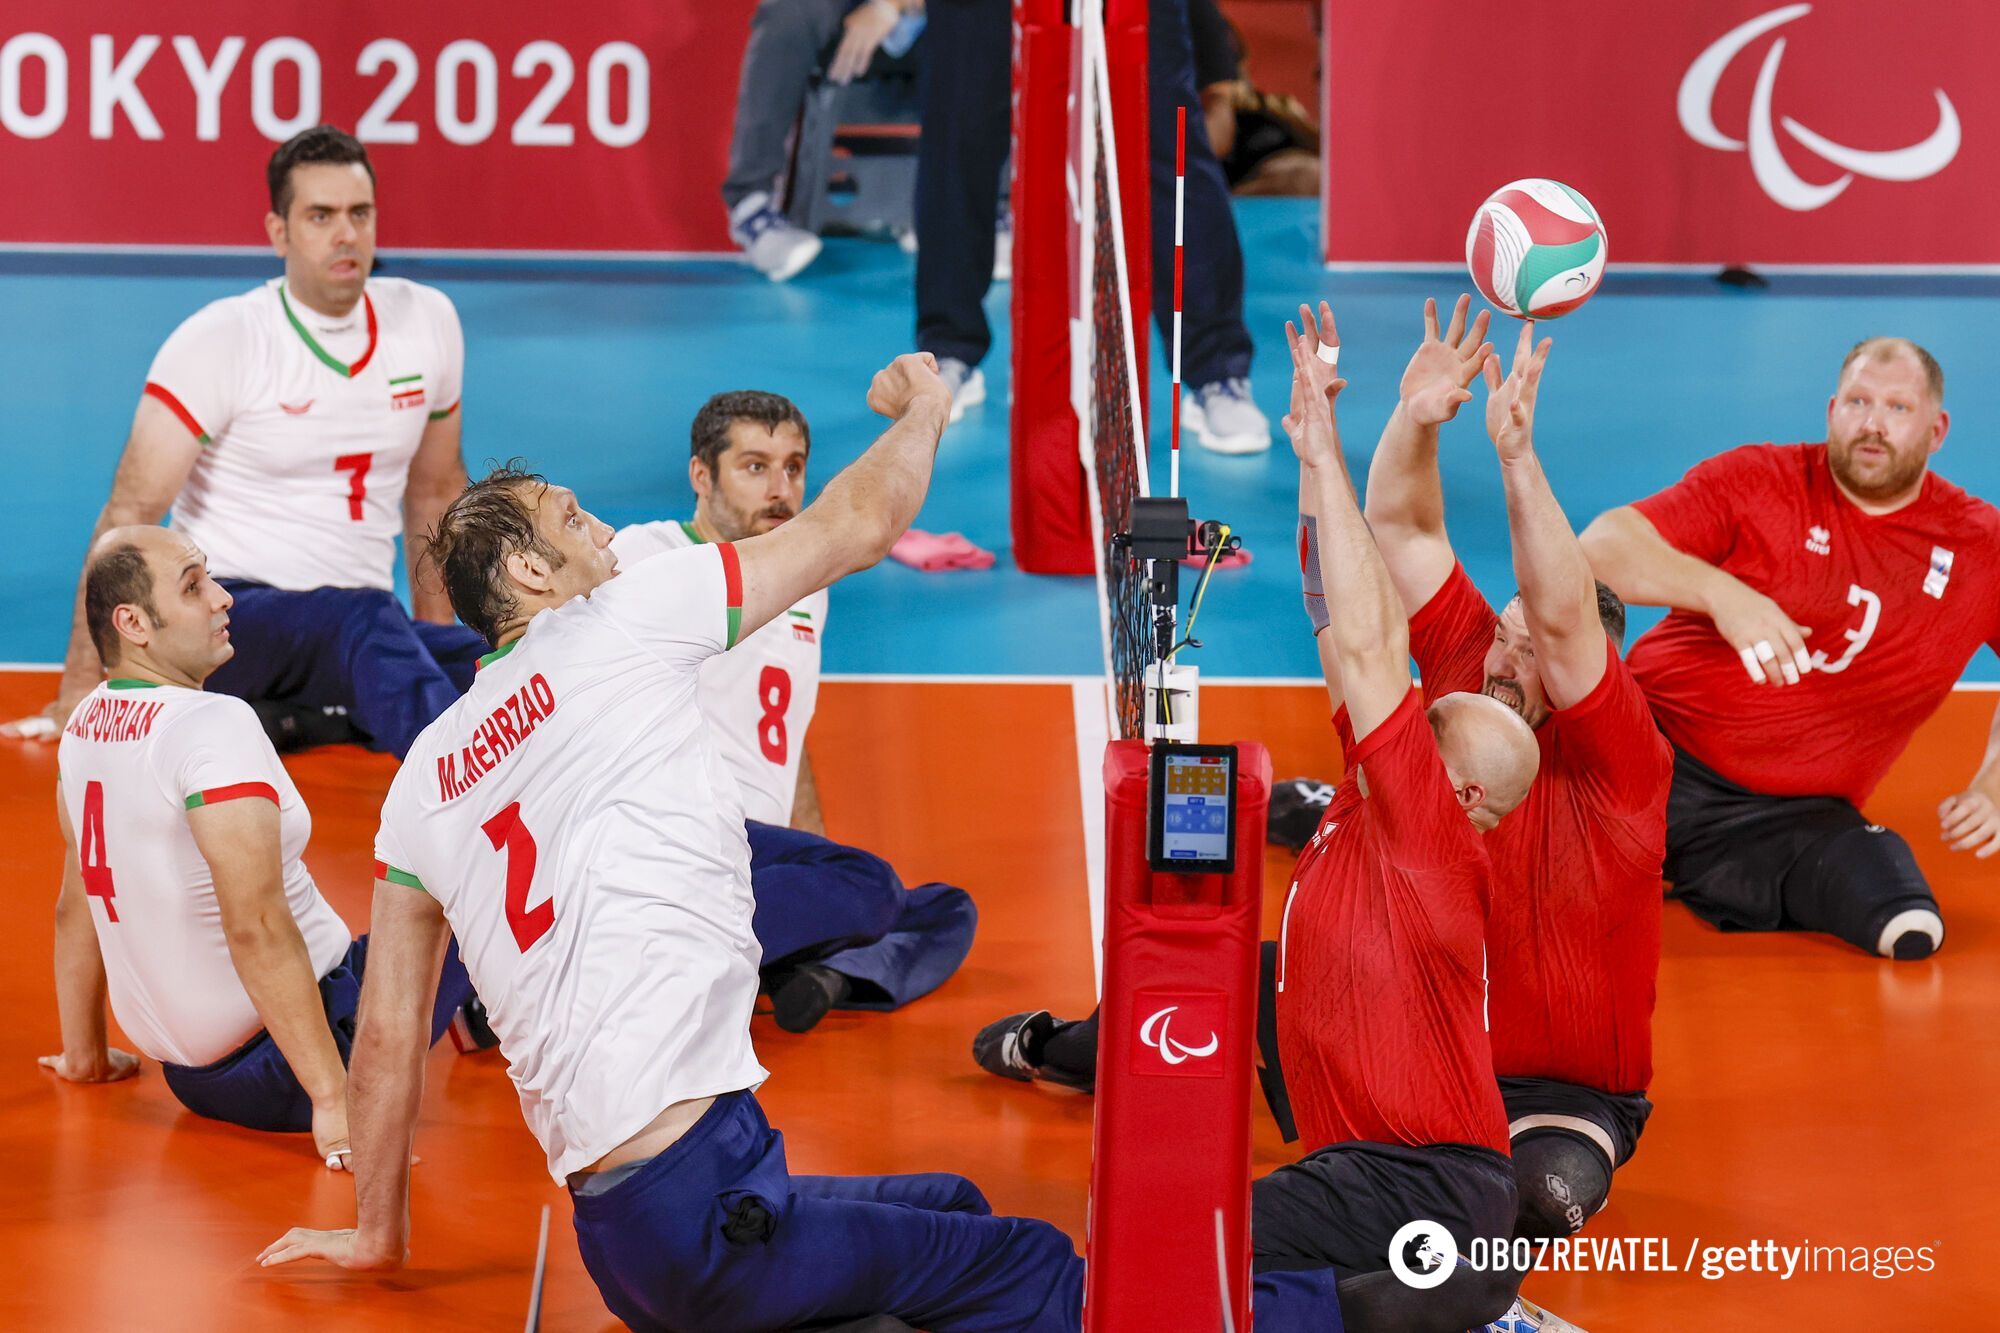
(709, 435)
(489, 521)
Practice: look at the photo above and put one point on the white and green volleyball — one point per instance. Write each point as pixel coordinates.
(1536, 249)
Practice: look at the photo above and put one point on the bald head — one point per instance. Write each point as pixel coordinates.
(147, 597)
(1489, 753)
(1887, 350)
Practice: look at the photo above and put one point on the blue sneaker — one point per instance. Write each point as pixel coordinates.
(1528, 1317)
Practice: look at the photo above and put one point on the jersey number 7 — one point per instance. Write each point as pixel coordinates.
(507, 833)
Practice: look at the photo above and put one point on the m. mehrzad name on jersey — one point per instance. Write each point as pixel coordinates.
(494, 739)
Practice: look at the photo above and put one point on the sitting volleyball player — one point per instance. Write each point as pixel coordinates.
(296, 430)
(836, 925)
(572, 822)
(183, 891)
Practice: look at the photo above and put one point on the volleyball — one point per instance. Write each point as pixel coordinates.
(1536, 249)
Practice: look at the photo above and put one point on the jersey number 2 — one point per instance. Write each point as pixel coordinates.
(508, 834)
(774, 696)
(357, 485)
(91, 857)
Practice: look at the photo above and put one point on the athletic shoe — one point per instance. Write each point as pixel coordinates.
(805, 995)
(967, 385)
(1224, 419)
(1012, 1049)
(293, 727)
(1297, 807)
(469, 1030)
(1528, 1317)
(776, 248)
(1003, 244)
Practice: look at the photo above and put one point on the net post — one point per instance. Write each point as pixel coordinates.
(1180, 214)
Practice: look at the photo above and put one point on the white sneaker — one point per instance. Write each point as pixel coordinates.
(1225, 419)
(776, 248)
(1003, 244)
(967, 385)
(1528, 1317)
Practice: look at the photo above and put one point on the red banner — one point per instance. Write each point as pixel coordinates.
(1705, 131)
(598, 127)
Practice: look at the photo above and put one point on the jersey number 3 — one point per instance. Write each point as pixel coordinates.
(91, 857)
(508, 834)
(774, 696)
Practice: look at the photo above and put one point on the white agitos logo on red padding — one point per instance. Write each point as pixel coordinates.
(1785, 186)
(1180, 1033)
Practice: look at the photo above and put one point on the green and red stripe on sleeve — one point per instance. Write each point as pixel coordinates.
(179, 409)
(385, 871)
(235, 791)
(732, 589)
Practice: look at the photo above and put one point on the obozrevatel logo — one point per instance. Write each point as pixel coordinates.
(1697, 112)
(1153, 1032)
(1422, 1254)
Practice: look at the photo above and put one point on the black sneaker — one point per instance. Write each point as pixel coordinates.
(469, 1029)
(1297, 807)
(805, 995)
(293, 727)
(1012, 1048)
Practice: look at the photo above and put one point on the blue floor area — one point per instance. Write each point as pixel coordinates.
(592, 371)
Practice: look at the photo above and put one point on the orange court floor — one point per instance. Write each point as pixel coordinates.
(1806, 1094)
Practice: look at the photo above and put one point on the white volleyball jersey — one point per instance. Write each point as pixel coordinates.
(760, 695)
(308, 425)
(134, 759)
(573, 818)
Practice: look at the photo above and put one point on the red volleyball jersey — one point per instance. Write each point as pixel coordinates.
(1897, 604)
(1382, 957)
(1574, 933)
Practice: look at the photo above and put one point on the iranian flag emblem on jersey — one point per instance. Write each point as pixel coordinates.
(801, 622)
(406, 391)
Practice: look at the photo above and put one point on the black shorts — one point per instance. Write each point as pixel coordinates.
(1620, 1117)
(1339, 1207)
(1744, 861)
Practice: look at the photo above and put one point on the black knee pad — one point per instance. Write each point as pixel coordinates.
(1857, 884)
(1562, 1178)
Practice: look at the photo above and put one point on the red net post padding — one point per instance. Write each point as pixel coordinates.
(1050, 506)
(1174, 1063)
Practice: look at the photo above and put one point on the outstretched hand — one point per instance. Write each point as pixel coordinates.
(1316, 383)
(336, 1247)
(1439, 377)
(1510, 402)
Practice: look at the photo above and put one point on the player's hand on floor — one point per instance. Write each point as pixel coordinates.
(1970, 822)
(40, 726)
(115, 1065)
(329, 1129)
(1439, 377)
(1771, 644)
(341, 1247)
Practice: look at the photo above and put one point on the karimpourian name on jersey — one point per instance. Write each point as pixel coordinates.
(494, 739)
(115, 719)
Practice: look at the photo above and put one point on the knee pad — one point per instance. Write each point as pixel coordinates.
(1562, 1178)
(1910, 934)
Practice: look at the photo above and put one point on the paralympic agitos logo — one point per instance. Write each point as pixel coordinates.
(1786, 187)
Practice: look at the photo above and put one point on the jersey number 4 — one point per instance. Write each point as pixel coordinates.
(91, 858)
(508, 834)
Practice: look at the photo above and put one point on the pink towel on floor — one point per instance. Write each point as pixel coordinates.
(934, 552)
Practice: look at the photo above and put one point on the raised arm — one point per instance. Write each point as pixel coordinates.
(242, 843)
(87, 1056)
(1558, 591)
(1369, 631)
(385, 1083)
(437, 477)
(1314, 585)
(159, 455)
(1628, 552)
(864, 509)
(1405, 494)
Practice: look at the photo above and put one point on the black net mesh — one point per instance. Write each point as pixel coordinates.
(1115, 435)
